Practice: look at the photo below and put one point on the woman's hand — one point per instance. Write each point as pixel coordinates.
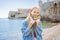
(38, 21)
(35, 23)
(31, 23)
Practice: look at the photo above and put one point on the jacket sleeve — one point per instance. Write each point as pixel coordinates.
(39, 29)
(26, 29)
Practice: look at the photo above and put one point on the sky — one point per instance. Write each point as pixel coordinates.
(14, 5)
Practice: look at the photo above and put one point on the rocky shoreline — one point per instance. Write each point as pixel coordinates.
(52, 33)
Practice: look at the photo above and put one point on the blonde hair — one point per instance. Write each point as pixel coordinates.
(28, 17)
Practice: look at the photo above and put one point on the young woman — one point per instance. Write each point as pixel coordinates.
(32, 27)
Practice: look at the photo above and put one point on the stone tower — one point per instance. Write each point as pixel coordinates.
(40, 3)
(40, 6)
(48, 0)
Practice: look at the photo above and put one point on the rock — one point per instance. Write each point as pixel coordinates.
(52, 33)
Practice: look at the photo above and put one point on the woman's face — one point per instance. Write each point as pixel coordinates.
(35, 13)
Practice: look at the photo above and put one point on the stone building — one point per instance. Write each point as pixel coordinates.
(21, 13)
(12, 14)
(50, 10)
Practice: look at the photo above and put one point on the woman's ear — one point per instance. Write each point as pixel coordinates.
(30, 14)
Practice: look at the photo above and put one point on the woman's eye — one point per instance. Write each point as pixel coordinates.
(37, 12)
(34, 12)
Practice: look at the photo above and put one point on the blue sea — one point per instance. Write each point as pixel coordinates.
(10, 29)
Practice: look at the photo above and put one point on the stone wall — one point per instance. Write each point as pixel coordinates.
(51, 10)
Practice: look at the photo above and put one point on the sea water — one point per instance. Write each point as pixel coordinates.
(10, 29)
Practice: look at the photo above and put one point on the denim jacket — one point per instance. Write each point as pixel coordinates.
(28, 33)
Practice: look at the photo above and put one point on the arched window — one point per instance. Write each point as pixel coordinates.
(55, 4)
(55, 8)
